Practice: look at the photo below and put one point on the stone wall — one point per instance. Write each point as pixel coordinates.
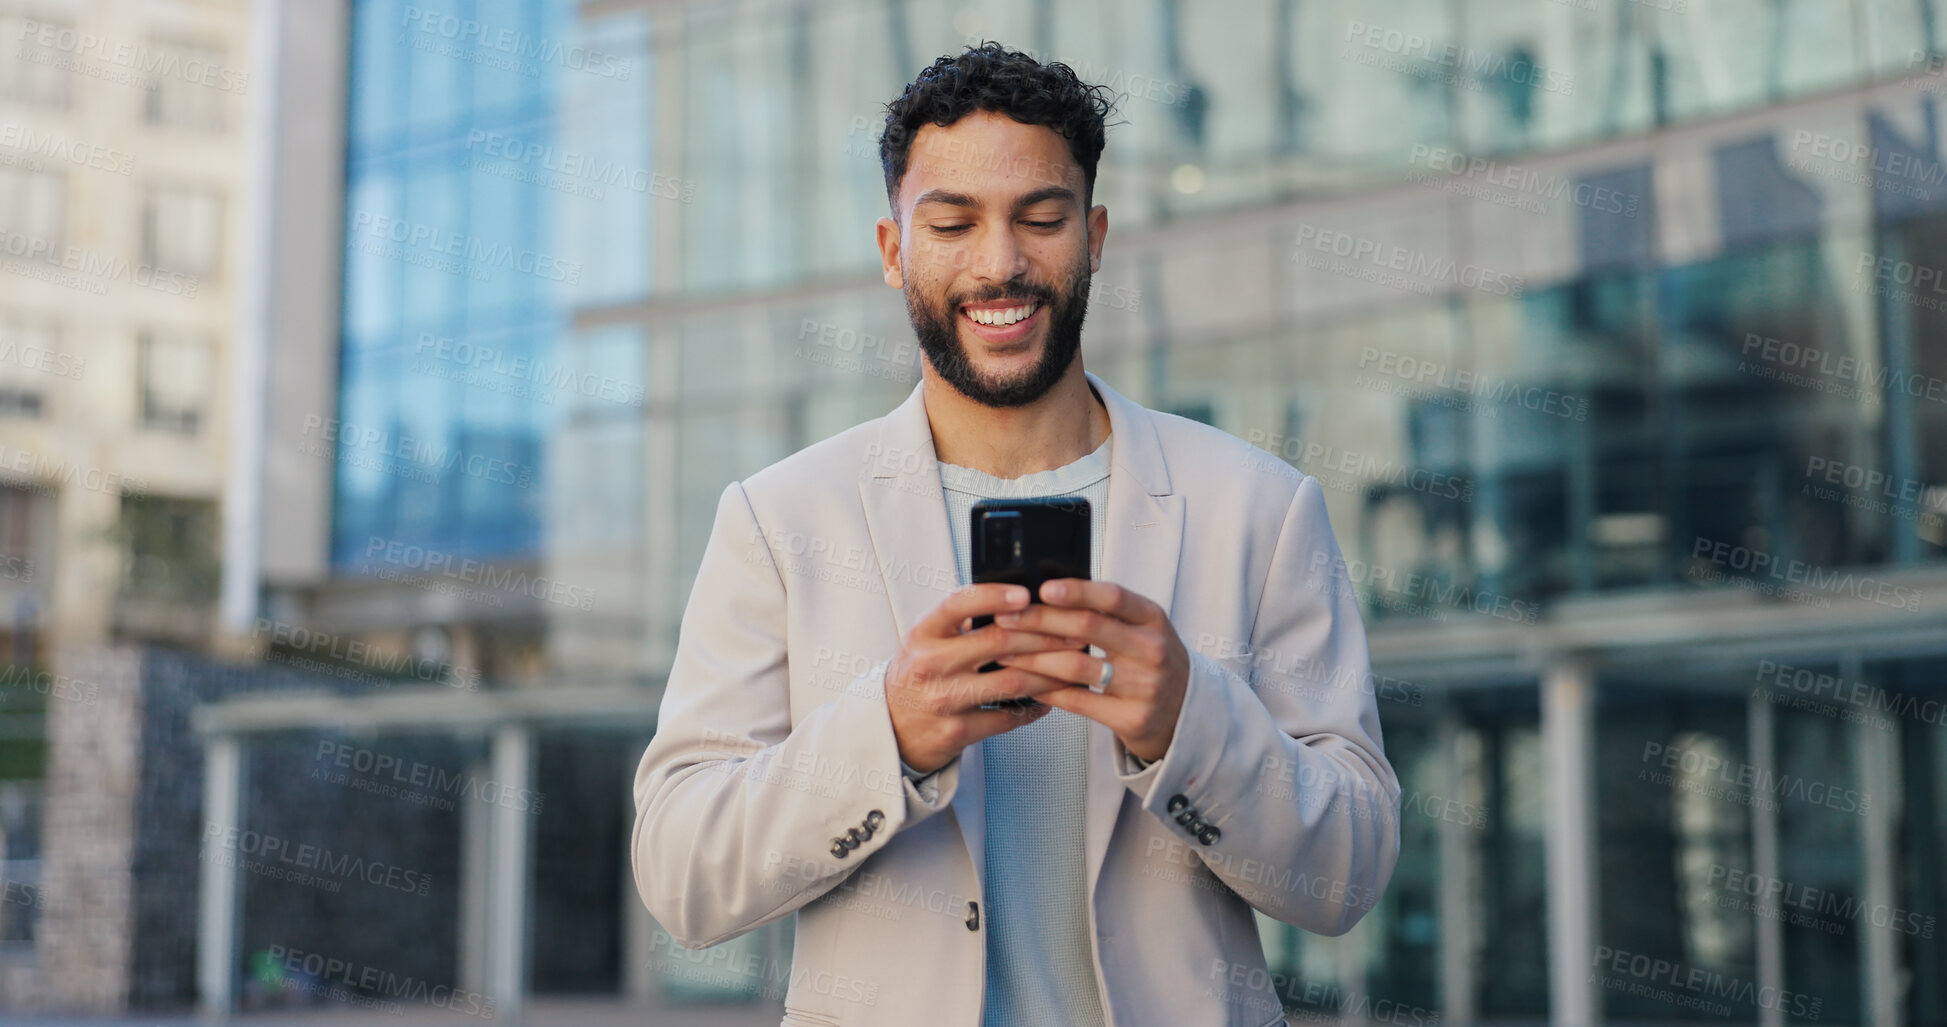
(122, 835)
(94, 765)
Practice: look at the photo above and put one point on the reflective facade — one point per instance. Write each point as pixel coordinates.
(454, 290)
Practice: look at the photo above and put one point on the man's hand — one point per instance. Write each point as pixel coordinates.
(1152, 667)
(934, 688)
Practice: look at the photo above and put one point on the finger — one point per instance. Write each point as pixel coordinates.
(943, 620)
(1103, 596)
(951, 695)
(971, 691)
(1075, 668)
(1084, 625)
(1111, 711)
(968, 651)
(984, 724)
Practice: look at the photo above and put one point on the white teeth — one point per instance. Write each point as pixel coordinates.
(1006, 316)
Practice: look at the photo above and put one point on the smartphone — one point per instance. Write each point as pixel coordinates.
(1028, 541)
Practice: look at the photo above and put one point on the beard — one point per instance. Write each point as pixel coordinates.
(937, 324)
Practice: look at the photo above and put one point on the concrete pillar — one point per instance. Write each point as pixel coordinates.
(1458, 881)
(1876, 758)
(1769, 928)
(508, 894)
(638, 927)
(476, 861)
(216, 912)
(1568, 761)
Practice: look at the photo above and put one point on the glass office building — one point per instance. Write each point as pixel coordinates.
(451, 279)
(1614, 330)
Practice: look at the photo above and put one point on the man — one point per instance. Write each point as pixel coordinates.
(827, 744)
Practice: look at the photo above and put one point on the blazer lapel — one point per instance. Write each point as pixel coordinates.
(1140, 548)
(905, 512)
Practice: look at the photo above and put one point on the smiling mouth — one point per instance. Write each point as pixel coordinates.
(1001, 317)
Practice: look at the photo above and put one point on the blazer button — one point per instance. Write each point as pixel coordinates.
(839, 849)
(1177, 802)
(1187, 817)
(856, 837)
(973, 916)
(874, 820)
(1209, 835)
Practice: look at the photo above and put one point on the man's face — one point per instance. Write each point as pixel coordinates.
(994, 254)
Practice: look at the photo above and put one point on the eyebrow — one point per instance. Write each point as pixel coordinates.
(953, 199)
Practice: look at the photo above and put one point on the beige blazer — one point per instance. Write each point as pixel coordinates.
(773, 783)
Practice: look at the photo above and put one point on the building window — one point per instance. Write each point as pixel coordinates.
(30, 359)
(34, 72)
(23, 765)
(32, 205)
(169, 549)
(18, 402)
(173, 368)
(25, 525)
(181, 226)
(190, 97)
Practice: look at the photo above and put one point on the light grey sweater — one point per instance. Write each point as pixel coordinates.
(1040, 964)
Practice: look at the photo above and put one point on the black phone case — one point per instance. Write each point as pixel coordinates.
(1028, 541)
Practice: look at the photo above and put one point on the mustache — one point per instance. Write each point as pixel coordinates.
(1010, 291)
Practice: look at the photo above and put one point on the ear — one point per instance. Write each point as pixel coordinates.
(889, 253)
(1098, 228)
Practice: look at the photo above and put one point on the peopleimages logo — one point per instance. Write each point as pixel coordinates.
(579, 166)
(1691, 986)
(409, 456)
(136, 58)
(1362, 469)
(425, 243)
(304, 863)
(1420, 371)
(437, 564)
(1518, 181)
(1832, 371)
(1745, 780)
(481, 364)
(307, 642)
(1460, 60)
(390, 771)
(515, 43)
(1760, 564)
(1818, 908)
(44, 470)
(1396, 266)
(1411, 592)
(775, 978)
(357, 979)
(1818, 685)
(45, 259)
(58, 146)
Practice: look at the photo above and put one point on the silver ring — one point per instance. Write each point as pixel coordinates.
(1102, 682)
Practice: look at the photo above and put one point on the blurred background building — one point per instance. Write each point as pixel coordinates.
(1615, 330)
(121, 156)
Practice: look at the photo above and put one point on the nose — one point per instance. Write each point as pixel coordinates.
(997, 256)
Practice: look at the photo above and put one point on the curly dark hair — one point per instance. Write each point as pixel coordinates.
(990, 77)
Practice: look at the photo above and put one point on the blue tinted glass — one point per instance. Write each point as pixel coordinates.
(453, 279)
(377, 63)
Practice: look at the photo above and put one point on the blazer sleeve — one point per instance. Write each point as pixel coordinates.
(1288, 767)
(741, 816)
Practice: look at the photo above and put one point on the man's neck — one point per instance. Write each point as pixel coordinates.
(1061, 427)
